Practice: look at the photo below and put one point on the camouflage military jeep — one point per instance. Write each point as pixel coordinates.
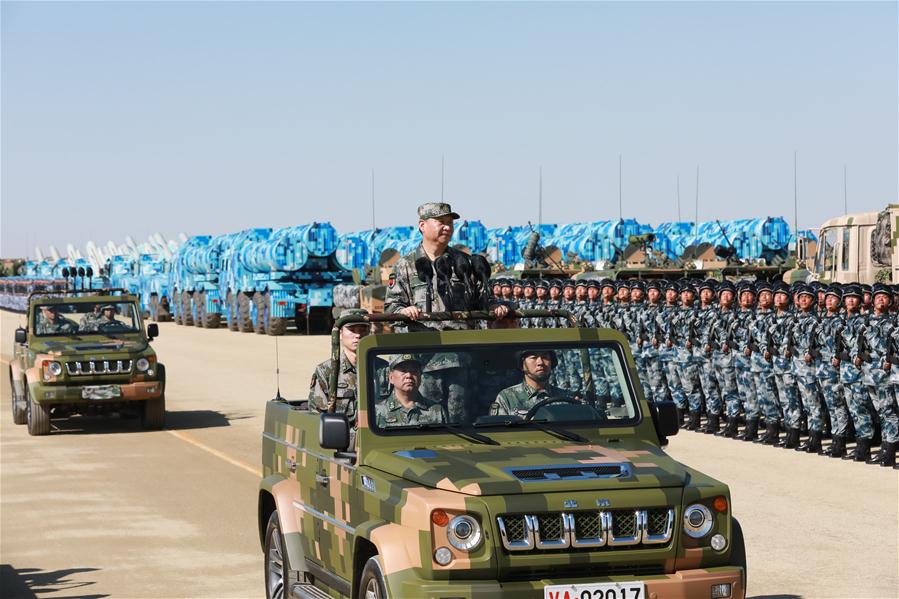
(85, 352)
(569, 496)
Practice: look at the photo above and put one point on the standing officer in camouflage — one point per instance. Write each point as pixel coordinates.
(760, 361)
(706, 316)
(805, 355)
(781, 333)
(667, 349)
(738, 338)
(723, 357)
(649, 340)
(829, 332)
(682, 335)
(405, 405)
(874, 361)
(857, 400)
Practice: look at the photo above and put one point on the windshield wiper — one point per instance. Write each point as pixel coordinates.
(561, 432)
(428, 426)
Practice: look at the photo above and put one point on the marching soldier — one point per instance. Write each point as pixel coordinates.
(781, 332)
(760, 363)
(851, 376)
(828, 373)
(874, 361)
(805, 366)
(723, 357)
(738, 339)
(702, 352)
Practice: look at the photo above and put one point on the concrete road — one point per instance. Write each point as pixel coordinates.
(101, 509)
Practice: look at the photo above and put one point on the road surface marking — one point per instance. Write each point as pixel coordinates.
(222, 456)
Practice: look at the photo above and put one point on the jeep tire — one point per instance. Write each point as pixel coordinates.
(38, 417)
(738, 552)
(152, 415)
(371, 583)
(19, 414)
(276, 565)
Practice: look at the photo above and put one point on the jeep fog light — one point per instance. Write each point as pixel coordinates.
(54, 368)
(697, 521)
(464, 533)
(721, 591)
(143, 364)
(719, 542)
(443, 556)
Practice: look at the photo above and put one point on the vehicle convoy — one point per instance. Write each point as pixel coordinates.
(569, 495)
(85, 352)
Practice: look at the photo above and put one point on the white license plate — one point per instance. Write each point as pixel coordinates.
(605, 590)
(101, 392)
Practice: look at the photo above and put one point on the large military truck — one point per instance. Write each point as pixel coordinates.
(85, 352)
(570, 498)
(859, 248)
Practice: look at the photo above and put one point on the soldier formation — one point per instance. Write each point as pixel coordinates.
(809, 360)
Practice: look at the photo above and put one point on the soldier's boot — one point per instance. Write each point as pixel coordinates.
(862, 451)
(751, 432)
(812, 444)
(693, 423)
(771, 436)
(837, 447)
(886, 457)
(791, 441)
(681, 418)
(712, 424)
(730, 429)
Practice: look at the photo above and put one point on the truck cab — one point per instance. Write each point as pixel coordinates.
(85, 352)
(561, 493)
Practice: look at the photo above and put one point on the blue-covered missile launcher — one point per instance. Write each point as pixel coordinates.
(195, 281)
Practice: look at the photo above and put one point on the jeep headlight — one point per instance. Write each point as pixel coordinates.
(464, 533)
(54, 368)
(143, 364)
(697, 521)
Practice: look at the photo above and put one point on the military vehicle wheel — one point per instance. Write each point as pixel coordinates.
(187, 312)
(261, 301)
(277, 326)
(738, 552)
(231, 302)
(371, 584)
(19, 414)
(276, 565)
(38, 417)
(154, 308)
(200, 319)
(213, 321)
(152, 416)
(244, 323)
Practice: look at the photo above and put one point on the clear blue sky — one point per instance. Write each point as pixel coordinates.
(130, 118)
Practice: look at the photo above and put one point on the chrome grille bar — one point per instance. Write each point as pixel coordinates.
(586, 529)
(94, 367)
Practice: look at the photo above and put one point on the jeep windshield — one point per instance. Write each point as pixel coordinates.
(85, 318)
(499, 387)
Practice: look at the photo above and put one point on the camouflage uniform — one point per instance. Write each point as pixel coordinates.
(723, 361)
(648, 332)
(346, 388)
(876, 338)
(739, 337)
(829, 329)
(668, 354)
(519, 399)
(804, 337)
(762, 372)
(445, 380)
(391, 412)
(706, 317)
(90, 322)
(857, 400)
(683, 337)
(781, 333)
(62, 326)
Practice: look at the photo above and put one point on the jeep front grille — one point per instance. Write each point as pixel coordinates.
(92, 367)
(572, 472)
(586, 529)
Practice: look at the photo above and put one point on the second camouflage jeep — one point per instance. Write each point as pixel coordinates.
(85, 352)
(573, 498)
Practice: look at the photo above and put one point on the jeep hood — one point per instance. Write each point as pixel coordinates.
(92, 343)
(532, 467)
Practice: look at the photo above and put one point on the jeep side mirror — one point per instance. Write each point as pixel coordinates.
(665, 417)
(334, 432)
(152, 330)
(21, 335)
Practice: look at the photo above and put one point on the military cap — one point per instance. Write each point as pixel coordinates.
(506, 283)
(763, 285)
(541, 284)
(107, 307)
(880, 288)
(834, 289)
(435, 210)
(853, 290)
(581, 283)
(568, 283)
(781, 287)
(403, 359)
(592, 284)
(817, 286)
(865, 288)
(807, 290)
(607, 283)
(555, 284)
(638, 284)
(657, 285)
(527, 283)
(671, 286)
(686, 285)
(621, 285)
(516, 283)
(745, 286)
(710, 284)
(726, 286)
(532, 352)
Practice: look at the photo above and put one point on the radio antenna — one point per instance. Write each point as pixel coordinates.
(277, 374)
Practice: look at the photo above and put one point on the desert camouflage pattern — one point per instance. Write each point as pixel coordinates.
(336, 514)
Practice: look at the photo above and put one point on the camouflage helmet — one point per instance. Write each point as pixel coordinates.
(354, 312)
(435, 210)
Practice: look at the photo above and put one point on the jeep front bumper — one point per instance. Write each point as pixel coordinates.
(73, 393)
(684, 584)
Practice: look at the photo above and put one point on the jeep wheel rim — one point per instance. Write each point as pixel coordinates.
(275, 569)
(372, 590)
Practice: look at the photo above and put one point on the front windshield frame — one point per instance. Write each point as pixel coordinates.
(376, 353)
(85, 308)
